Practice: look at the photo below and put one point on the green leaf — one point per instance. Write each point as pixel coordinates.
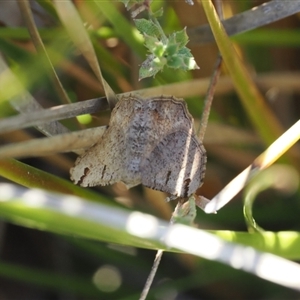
(180, 37)
(147, 27)
(154, 45)
(171, 49)
(183, 59)
(175, 62)
(151, 66)
(190, 63)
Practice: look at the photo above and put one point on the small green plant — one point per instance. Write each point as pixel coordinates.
(170, 51)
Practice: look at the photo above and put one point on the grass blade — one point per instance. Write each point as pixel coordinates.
(258, 16)
(73, 23)
(268, 157)
(268, 128)
(73, 215)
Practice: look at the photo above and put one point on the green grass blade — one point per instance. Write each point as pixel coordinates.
(268, 127)
(75, 216)
(284, 243)
(34, 178)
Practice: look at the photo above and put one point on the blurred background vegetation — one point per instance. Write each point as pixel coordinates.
(37, 264)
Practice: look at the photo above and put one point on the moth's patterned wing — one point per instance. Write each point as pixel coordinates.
(137, 134)
(176, 165)
(149, 141)
(153, 118)
(105, 162)
(166, 115)
(100, 164)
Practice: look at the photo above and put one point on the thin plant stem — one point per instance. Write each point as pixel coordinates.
(72, 22)
(202, 129)
(209, 98)
(55, 113)
(38, 43)
(264, 160)
(150, 278)
(155, 21)
(212, 85)
(185, 213)
(256, 17)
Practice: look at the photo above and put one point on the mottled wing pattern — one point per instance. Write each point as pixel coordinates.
(105, 162)
(165, 115)
(176, 165)
(175, 162)
(149, 141)
(94, 167)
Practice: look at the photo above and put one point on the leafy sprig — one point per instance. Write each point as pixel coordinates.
(170, 51)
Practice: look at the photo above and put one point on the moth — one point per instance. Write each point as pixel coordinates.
(149, 141)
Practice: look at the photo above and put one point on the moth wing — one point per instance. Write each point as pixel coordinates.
(102, 164)
(105, 162)
(176, 165)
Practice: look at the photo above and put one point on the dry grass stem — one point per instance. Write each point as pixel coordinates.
(256, 17)
(268, 157)
(70, 18)
(217, 134)
(209, 98)
(288, 81)
(25, 103)
(56, 113)
(39, 45)
(68, 142)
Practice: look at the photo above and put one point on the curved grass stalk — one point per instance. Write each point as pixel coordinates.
(268, 157)
(268, 128)
(278, 176)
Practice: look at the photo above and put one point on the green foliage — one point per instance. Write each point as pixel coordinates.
(147, 27)
(170, 51)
